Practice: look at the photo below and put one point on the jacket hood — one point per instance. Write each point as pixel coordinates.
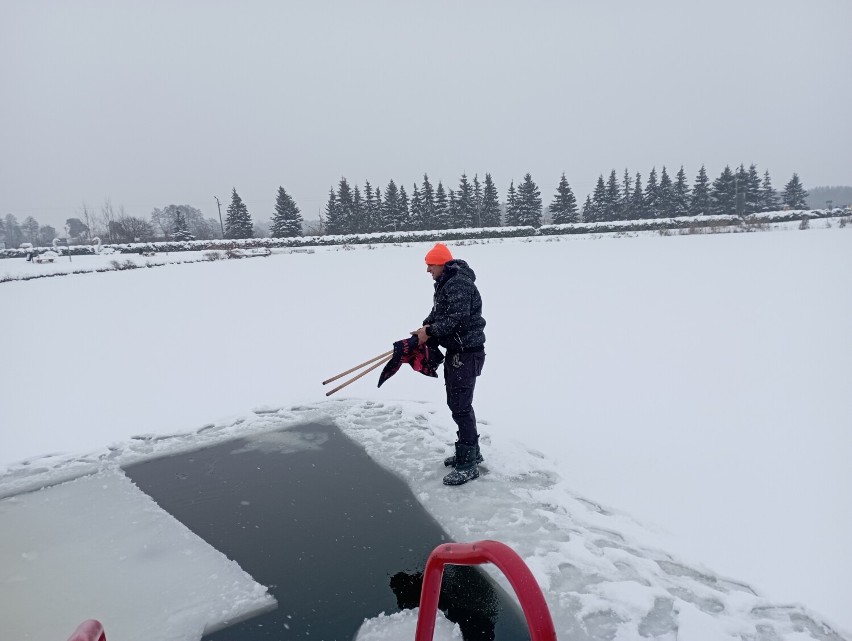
(458, 267)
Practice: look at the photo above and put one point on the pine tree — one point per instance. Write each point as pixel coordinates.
(378, 221)
(652, 195)
(287, 219)
(624, 203)
(417, 222)
(238, 223)
(512, 213)
(529, 203)
(428, 198)
(795, 196)
(637, 202)
(598, 209)
(612, 211)
(391, 208)
(441, 215)
(740, 187)
(404, 214)
(369, 210)
(465, 216)
(477, 202)
(345, 207)
(753, 196)
(681, 194)
(768, 196)
(333, 219)
(666, 198)
(588, 210)
(490, 204)
(701, 203)
(724, 193)
(180, 231)
(452, 209)
(563, 209)
(356, 225)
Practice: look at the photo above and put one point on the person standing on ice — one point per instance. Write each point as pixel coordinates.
(456, 323)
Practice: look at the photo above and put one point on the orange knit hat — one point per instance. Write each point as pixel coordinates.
(438, 255)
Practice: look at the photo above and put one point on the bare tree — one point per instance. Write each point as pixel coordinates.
(130, 229)
(195, 222)
(163, 221)
(213, 229)
(108, 218)
(87, 220)
(14, 235)
(30, 228)
(314, 227)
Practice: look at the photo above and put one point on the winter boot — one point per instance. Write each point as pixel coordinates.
(465, 468)
(450, 461)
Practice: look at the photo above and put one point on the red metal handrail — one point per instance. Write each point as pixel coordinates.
(90, 630)
(529, 594)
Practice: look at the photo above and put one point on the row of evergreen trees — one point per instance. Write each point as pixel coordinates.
(742, 191)
(472, 204)
(350, 210)
(475, 204)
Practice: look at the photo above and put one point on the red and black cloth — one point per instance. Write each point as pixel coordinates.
(425, 358)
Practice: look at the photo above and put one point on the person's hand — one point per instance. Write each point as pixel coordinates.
(421, 335)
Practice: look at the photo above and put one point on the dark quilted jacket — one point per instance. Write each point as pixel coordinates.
(456, 316)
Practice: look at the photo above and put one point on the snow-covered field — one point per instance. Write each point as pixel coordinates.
(665, 419)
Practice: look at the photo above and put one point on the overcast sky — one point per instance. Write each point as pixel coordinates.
(156, 103)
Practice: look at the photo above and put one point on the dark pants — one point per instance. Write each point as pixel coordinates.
(460, 372)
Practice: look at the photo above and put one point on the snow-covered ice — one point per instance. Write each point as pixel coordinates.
(98, 547)
(665, 420)
(402, 625)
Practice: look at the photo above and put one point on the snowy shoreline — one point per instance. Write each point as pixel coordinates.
(137, 255)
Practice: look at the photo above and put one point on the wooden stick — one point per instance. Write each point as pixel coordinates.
(349, 371)
(355, 378)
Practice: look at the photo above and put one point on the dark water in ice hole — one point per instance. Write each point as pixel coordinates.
(335, 537)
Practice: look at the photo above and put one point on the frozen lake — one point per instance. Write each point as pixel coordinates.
(673, 459)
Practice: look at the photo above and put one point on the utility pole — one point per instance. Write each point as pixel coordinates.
(219, 205)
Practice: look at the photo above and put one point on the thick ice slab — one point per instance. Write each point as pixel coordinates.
(403, 625)
(98, 547)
